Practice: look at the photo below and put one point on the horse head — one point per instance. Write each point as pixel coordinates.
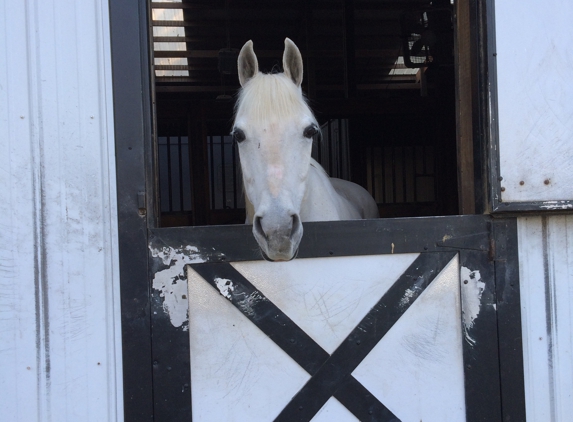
(273, 129)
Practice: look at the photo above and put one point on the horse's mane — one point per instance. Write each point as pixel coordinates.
(271, 95)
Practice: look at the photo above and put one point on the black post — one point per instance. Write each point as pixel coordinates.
(133, 132)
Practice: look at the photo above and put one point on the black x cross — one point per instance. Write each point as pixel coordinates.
(331, 375)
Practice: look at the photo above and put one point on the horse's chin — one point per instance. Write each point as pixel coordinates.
(278, 257)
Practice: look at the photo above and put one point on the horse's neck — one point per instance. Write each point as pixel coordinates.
(321, 201)
(318, 167)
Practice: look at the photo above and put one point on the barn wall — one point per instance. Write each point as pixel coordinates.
(546, 278)
(60, 340)
(534, 47)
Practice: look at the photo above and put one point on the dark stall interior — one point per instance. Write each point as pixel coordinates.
(379, 75)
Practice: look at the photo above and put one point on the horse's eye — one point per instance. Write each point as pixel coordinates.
(310, 131)
(238, 135)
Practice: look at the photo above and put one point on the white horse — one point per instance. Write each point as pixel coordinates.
(283, 185)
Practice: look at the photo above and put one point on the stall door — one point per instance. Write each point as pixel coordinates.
(381, 320)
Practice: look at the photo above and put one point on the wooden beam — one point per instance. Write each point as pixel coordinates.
(464, 122)
(349, 50)
(381, 82)
(378, 53)
(179, 5)
(231, 89)
(205, 66)
(309, 65)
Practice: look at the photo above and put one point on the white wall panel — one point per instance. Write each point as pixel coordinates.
(534, 46)
(421, 356)
(59, 289)
(546, 279)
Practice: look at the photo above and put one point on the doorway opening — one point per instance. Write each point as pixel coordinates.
(381, 76)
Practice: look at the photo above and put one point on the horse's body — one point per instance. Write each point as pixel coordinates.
(284, 186)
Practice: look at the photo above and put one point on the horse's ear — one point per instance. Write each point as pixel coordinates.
(292, 62)
(247, 63)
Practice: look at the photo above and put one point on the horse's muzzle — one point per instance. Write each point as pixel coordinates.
(278, 235)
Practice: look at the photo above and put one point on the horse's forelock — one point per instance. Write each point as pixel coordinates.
(268, 96)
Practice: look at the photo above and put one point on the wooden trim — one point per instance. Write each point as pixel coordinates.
(464, 112)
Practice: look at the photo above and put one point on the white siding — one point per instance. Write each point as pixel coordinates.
(546, 278)
(60, 340)
(534, 46)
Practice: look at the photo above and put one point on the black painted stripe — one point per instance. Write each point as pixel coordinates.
(364, 337)
(363, 404)
(331, 375)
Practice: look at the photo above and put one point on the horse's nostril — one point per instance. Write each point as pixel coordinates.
(295, 225)
(257, 224)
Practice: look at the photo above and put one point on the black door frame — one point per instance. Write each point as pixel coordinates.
(133, 135)
(144, 373)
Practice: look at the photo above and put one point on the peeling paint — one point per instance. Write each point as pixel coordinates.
(172, 283)
(408, 294)
(557, 205)
(225, 287)
(472, 289)
(249, 301)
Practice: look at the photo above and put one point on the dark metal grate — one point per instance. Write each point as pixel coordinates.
(225, 183)
(401, 174)
(331, 148)
(174, 175)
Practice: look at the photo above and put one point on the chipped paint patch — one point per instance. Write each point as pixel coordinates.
(557, 205)
(408, 294)
(172, 283)
(225, 287)
(472, 289)
(249, 301)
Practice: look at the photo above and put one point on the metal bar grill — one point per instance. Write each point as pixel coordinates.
(180, 163)
(404, 176)
(174, 173)
(383, 182)
(212, 171)
(224, 183)
(329, 138)
(401, 174)
(223, 171)
(169, 179)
